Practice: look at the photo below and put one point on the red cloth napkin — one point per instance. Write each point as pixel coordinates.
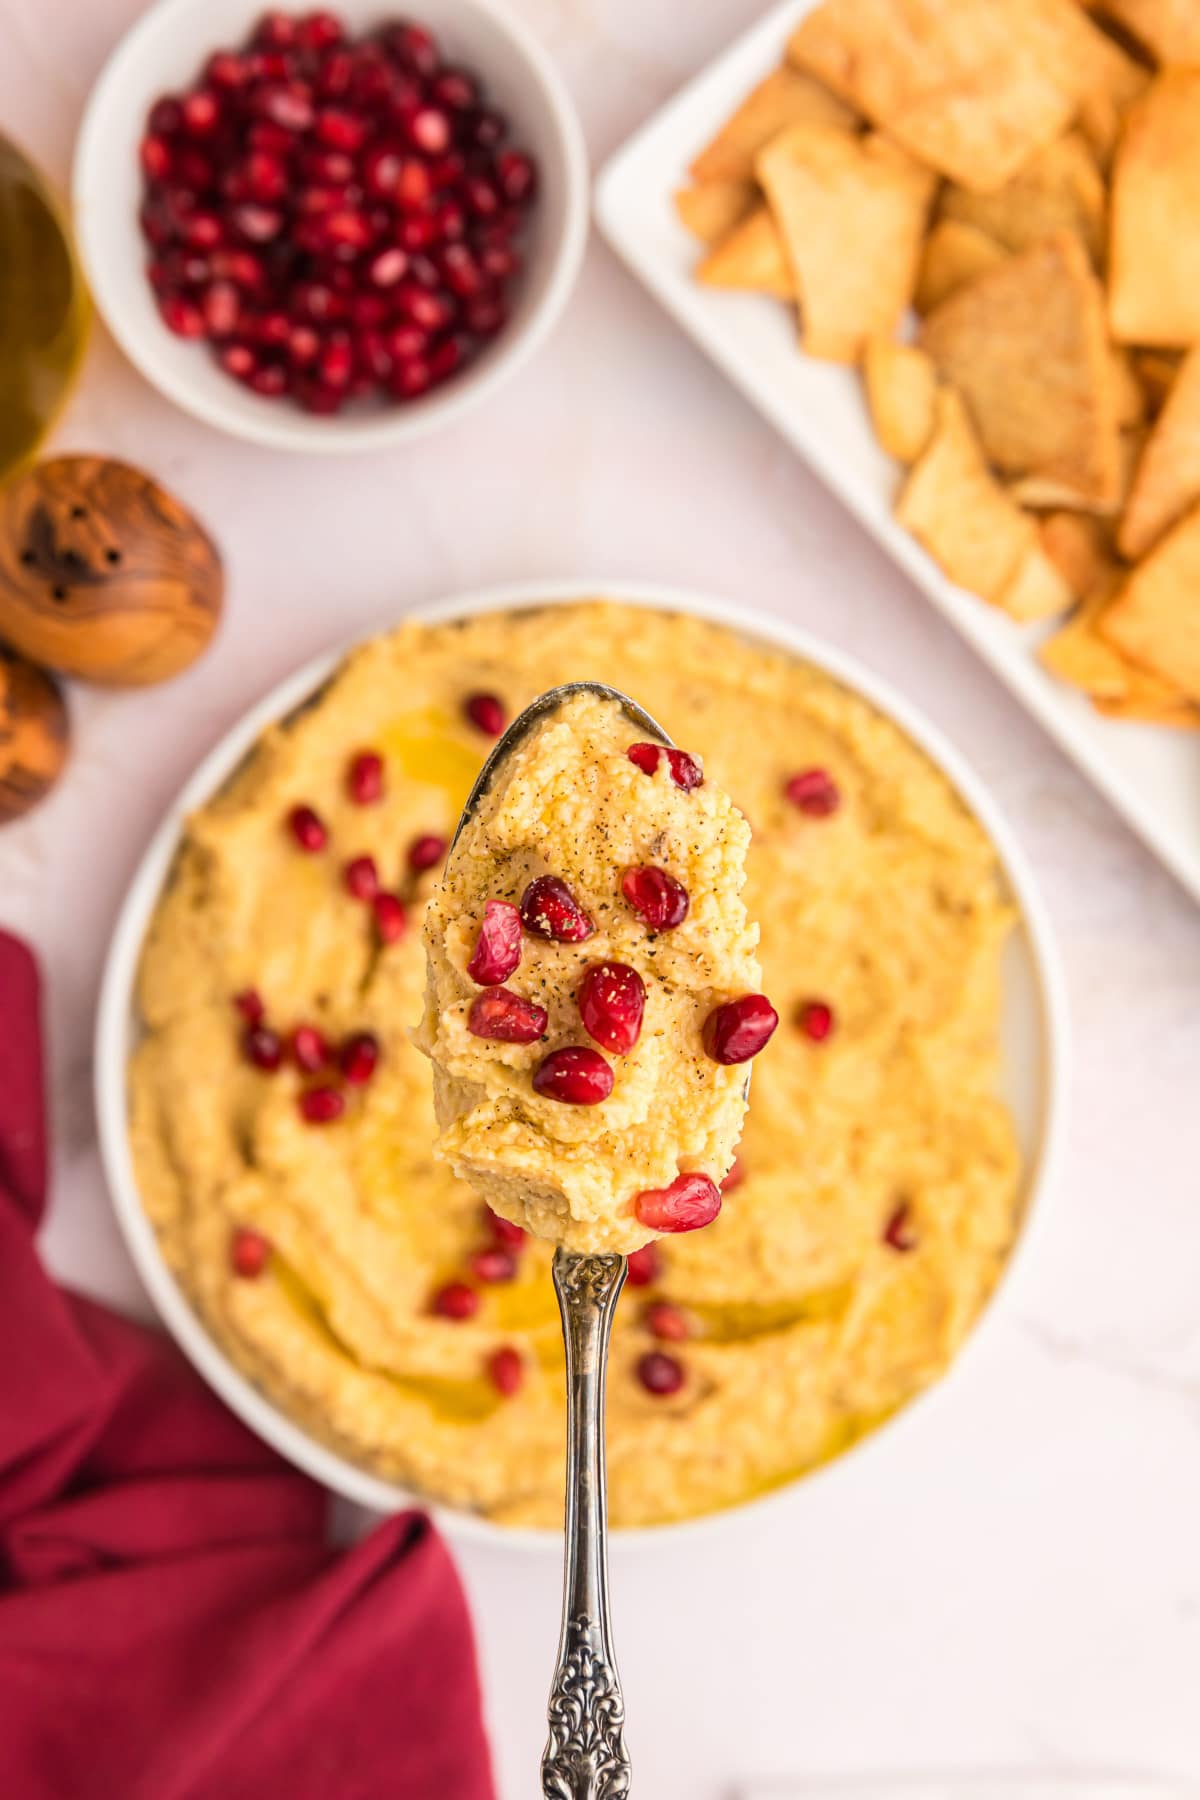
(173, 1622)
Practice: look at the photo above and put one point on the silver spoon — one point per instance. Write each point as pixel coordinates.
(585, 1757)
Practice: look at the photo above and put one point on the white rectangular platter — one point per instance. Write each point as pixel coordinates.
(1151, 774)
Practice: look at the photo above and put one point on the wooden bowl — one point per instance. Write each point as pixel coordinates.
(35, 734)
(103, 574)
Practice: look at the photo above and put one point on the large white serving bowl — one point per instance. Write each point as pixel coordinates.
(1035, 1038)
(164, 52)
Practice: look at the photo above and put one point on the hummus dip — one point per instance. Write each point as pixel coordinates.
(362, 1285)
(566, 1028)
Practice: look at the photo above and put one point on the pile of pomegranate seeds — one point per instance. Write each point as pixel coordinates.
(612, 999)
(249, 1252)
(816, 1020)
(576, 1076)
(497, 949)
(735, 1032)
(815, 792)
(686, 772)
(337, 217)
(508, 1018)
(550, 910)
(691, 1201)
(659, 1373)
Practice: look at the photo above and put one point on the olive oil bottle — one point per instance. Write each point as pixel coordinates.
(43, 309)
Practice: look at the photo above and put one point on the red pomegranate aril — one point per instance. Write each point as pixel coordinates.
(481, 197)
(221, 305)
(242, 267)
(488, 128)
(367, 311)
(739, 1029)
(270, 379)
(319, 31)
(506, 1370)
(267, 65)
(310, 1049)
(455, 1301)
(575, 1076)
(447, 357)
(657, 898)
(612, 1000)
(645, 1266)
(486, 713)
(503, 1230)
(262, 1047)
(264, 138)
(406, 342)
(203, 231)
(432, 312)
(413, 48)
(667, 1322)
(497, 951)
(517, 176)
(315, 397)
(900, 1232)
(686, 772)
(340, 130)
(506, 1017)
(226, 71)
(359, 1057)
(485, 316)
(550, 910)
(321, 1105)
(413, 187)
(335, 77)
(290, 107)
(317, 301)
(362, 878)
(249, 1002)
(275, 31)
(335, 365)
(266, 177)
(815, 792)
(461, 271)
(387, 267)
(303, 345)
(249, 1252)
(455, 88)
(258, 224)
(181, 316)
(391, 918)
(447, 171)
(308, 829)
(166, 117)
(372, 356)
(410, 377)
(332, 167)
(425, 852)
(239, 361)
(364, 779)
(816, 1020)
(201, 112)
(274, 329)
(660, 1374)
(735, 1177)
(451, 221)
(430, 130)
(347, 230)
(417, 231)
(495, 1264)
(499, 262)
(690, 1202)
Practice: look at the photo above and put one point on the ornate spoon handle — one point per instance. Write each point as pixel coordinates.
(585, 1757)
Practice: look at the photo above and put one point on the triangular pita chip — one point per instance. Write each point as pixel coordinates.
(953, 504)
(1154, 237)
(1129, 396)
(711, 209)
(1081, 656)
(901, 384)
(1170, 29)
(1155, 618)
(851, 211)
(953, 254)
(1166, 483)
(787, 97)
(1037, 590)
(752, 256)
(972, 87)
(1059, 187)
(1156, 370)
(1081, 548)
(1026, 346)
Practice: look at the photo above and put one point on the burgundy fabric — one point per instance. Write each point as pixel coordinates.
(173, 1622)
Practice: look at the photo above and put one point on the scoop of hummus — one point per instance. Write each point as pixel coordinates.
(616, 1096)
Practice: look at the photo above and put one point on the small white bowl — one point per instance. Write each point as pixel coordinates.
(1034, 1041)
(164, 52)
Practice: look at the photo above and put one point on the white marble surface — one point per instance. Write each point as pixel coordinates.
(1011, 1578)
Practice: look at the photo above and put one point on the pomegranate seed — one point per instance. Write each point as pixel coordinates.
(387, 267)
(360, 1057)
(667, 1322)
(456, 89)
(362, 877)
(315, 397)
(335, 365)
(424, 852)
(203, 231)
(249, 1252)
(690, 1202)
(303, 345)
(612, 999)
(735, 1177)
(238, 360)
(485, 316)
(289, 107)
(455, 1301)
(656, 897)
(575, 1076)
(166, 117)
(550, 910)
(413, 48)
(249, 1003)
(501, 261)
(374, 357)
(332, 166)
(645, 1266)
(497, 949)
(322, 1105)
(506, 1370)
(181, 316)
(262, 1048)
(221, 306)
(486, 713)
(340, 130)
(488, 128)
(275, 31)
(410, 378)
(481, 197)
(686, 772)
(511, 1019)
(391, 920)
(816, 1020)
(266, 177)
(271, 379)
(407, 341)
(413, 187)
(517, 177)
(462, 272)
(258, 224)
(347, 230)
(242, 267)
(226, 71)
(451, 221)
(503, 1230)
(494, 1265)
(270, 65)
(201, 112)
(368, 310)
(364, 780)
(659, 1373)
(815, 792)
(319, 30)
(310, 1049)
(266, 138)
(735, 1032)
(429, 129)
(900, 1232)
(447, 357)
(307, 829)
(432, 312)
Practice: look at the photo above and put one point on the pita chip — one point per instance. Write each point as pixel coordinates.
(1154, 240)
(1058, 188)
(1166, 483)
(953, 255)
(711, 209)
(752, 256)
(787, 97)
(1155, 618)
(901, 384)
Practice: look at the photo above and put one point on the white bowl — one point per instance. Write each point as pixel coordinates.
(1034, 1033)
(164, 52)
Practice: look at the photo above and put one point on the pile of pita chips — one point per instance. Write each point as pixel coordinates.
(992, 207)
